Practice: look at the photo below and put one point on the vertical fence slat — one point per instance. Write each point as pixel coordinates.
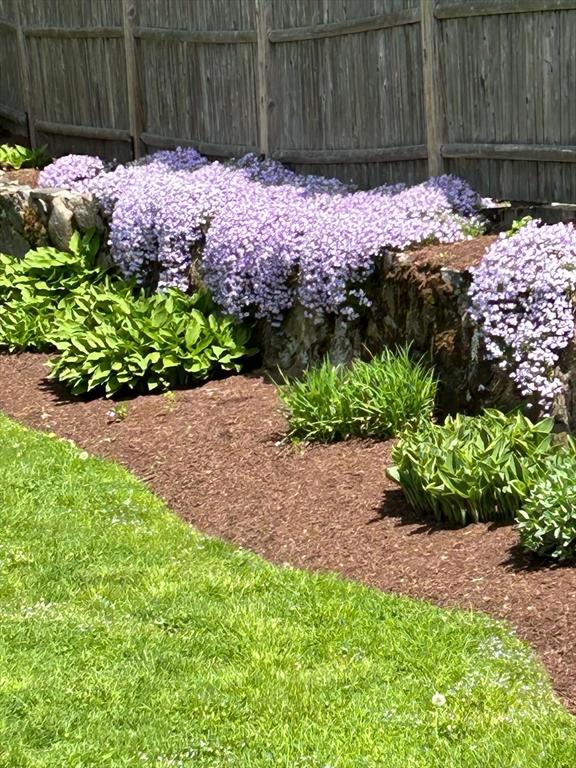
(475, 85)
(135, 108)
(431, 80)
(263, 26)
(25, 71)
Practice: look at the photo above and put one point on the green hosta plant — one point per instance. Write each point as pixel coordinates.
(14, 157)
(112, 339)
(107, 335)
(472, 468)
(517, 225)
(32, 288)
(377, 398)
(547, 520)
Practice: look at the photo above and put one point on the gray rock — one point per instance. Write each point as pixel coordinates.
(60, 226)
(13, 202)
(86, 214)
(12, 241)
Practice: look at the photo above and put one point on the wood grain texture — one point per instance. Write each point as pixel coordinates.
(358, 89)
(72, 32)
(26, 85)
(352, 27)
(264, 87)
(539, 152)
(432, 85)
(208, 37)
(71, 13)
(12, 115)
(211, 149)
(8, 12)
(350, 156)
(82, 131)
(11, 93)
(135, 106)
(510, 110)
(468, 8)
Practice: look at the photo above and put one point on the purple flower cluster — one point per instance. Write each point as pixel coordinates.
(458, 193)
(179, 159)
(279, 245)
(271, 172)
(522, 299)
(71, 172)
(272, 237)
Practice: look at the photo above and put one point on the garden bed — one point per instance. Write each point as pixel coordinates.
(418, 298)
(324, 270)
(215, 454)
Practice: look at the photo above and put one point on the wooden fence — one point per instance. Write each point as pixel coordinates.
(369, 90)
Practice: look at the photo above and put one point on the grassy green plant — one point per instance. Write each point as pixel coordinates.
(547, 520)
(120, 341)
(14, 157)
(378, 398)
(32, 289)
(472, 468)
(129, 639)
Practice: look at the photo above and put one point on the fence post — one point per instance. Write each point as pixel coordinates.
(135, 110)
(263, 25)
(432, 85)
(26, 81)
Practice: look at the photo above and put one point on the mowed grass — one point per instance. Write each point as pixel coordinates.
(129, 639)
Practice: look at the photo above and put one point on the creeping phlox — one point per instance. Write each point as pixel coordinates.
(270, 238)
(71, 172)
(522, 299)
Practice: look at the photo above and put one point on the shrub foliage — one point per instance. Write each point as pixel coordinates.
(120, 340)
(107, 334)
(547, 520)
(32, 288)
(472, 468)
(378, 398)
(14, 156)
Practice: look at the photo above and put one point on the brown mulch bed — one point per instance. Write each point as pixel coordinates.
(27, 176)
(461, 255)
(214, 454)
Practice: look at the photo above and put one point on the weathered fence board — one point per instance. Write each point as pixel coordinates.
(372, 91)
(12, 107)
(71, 13)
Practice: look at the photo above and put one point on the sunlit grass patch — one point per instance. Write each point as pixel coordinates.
(129, 639)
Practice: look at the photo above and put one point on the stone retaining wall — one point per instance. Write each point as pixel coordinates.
(423, 304)
(32, 217)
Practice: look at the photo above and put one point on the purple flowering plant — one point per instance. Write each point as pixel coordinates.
(270, 238)
(71, 172)
(522, 299)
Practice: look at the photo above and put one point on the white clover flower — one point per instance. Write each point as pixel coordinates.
(438, 699)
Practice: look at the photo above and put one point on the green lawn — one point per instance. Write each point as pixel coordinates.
(128, 639)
